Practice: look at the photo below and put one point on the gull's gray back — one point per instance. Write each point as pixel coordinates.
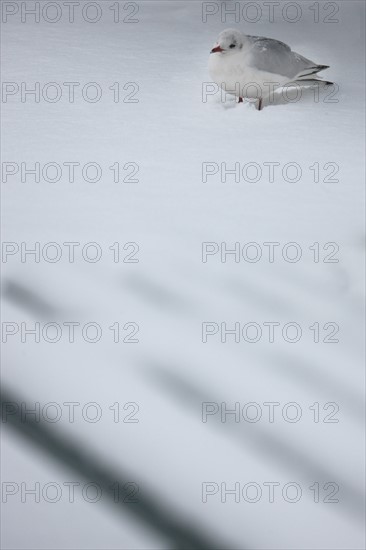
(273, 56)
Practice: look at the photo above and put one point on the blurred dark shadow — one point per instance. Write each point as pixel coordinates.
(149, 509)
(270, 447)
(28, 299)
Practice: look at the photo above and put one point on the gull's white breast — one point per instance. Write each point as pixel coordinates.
(234, 73)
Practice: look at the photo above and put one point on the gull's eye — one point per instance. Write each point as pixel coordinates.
(232, 46)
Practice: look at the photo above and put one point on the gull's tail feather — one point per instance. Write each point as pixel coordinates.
(312, 70)
(310, 82)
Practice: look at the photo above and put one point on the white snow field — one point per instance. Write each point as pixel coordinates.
(168, 136)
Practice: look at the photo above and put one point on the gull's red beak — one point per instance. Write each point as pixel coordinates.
(217, 49)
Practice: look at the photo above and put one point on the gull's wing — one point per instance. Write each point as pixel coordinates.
(273, 56)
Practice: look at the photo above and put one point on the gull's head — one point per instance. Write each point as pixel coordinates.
(229, 42)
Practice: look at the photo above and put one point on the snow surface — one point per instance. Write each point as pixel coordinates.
(169, 133)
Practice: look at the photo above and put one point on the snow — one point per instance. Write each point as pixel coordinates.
(170, 132)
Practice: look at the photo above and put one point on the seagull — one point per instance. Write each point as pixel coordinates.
(255, 66)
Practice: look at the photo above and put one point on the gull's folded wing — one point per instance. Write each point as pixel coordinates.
(275, 57)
